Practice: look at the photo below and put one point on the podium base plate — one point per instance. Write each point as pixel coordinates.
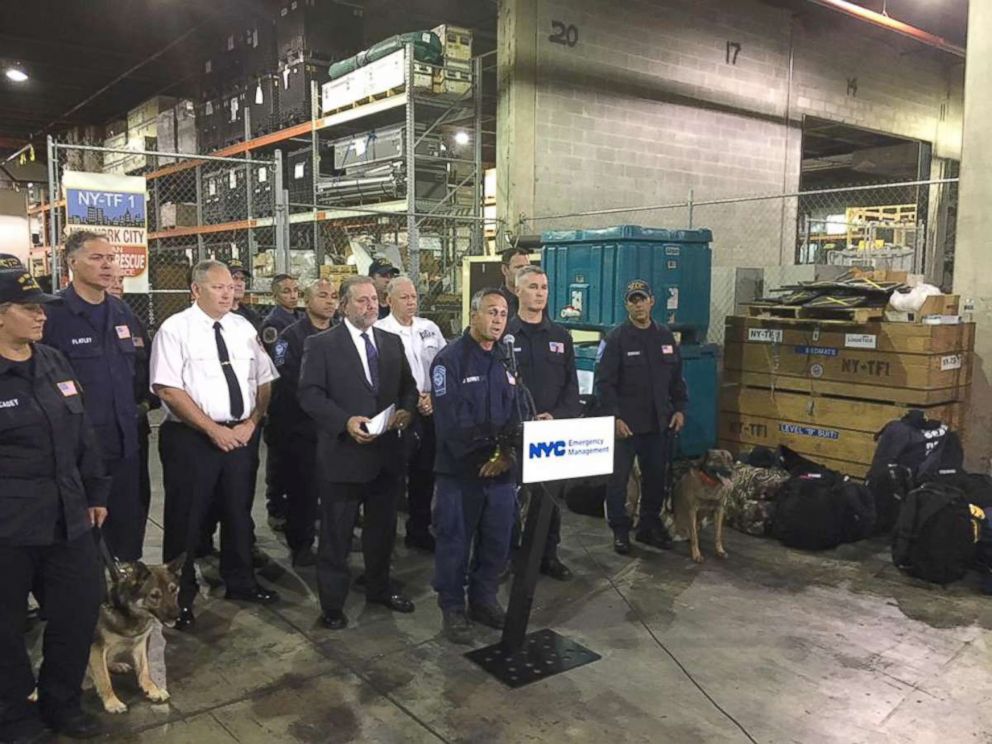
(544, 654)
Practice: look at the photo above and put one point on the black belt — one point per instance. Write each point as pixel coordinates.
(230, 424)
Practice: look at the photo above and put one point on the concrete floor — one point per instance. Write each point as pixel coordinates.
(773, 645)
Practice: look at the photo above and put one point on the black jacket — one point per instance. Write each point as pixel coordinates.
(143, 396)
(286, 418)
(546, 360)
(51, 468)
(639, 377)
(512, 301)
(250, 315)
(333, 388)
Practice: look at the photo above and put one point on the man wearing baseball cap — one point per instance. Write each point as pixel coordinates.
(241, 277)
(381, 271)
(639, 381)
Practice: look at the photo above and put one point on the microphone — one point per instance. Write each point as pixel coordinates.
(508, 340)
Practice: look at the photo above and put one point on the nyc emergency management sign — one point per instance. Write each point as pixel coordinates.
(113, 206)
(567, 448)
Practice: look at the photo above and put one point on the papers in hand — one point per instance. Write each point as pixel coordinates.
(380, 421)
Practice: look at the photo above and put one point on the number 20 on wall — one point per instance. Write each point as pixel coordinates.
(562, 33)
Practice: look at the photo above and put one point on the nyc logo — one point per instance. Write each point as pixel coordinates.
(547, 449)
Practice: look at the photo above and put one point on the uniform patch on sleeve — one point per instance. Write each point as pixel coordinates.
(269, 335)
(139, 342)
(279, 352)
(123, 332)
(440, 380)
(667, 349)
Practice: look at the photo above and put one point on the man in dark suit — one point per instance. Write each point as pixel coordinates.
(350, 374)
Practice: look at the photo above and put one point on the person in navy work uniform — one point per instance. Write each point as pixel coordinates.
(639, 381)
(546, 362)
(145, 399)
(475, 423)
(382, 271)
(291, 424)
(241, 277)
(286, 293)
(53, 491)
(94, 331)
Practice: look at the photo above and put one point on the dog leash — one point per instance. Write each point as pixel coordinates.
(112, 564)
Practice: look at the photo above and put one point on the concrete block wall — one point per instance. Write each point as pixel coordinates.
(646, 106)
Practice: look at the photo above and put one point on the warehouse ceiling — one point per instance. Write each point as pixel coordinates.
(81, 51)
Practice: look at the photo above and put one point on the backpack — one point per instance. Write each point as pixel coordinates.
(977, 487)
(821, 510)
(935, 534)
(888, 488)
(922, 445)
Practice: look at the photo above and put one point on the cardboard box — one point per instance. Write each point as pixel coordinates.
(177, 215)
(456, 42)
(936, 310)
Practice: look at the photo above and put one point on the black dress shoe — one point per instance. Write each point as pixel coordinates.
(305, 557)
(186, 619)
(556, 569)
(394, 602)
(257, 595)
(420, 542)
(76, 724)
(621, 542)
(334, 620)
(656, 537)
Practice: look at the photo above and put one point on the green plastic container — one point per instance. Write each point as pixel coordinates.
(427, 48)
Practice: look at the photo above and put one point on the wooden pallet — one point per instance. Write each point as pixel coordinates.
(365, 101)
(799, 312)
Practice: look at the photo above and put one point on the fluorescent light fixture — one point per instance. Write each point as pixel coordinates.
(16, 74)
(461, 137)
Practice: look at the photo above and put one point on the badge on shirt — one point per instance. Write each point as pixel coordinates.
(123, 331)
(667, 349)
(557, 347)
(68, 388)
(279, 352)
(634, 353)
(439, 379)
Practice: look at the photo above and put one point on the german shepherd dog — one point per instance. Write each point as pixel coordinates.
(700, 493)
(140, 599)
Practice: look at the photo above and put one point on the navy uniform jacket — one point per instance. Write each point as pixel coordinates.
(51, 467)
(277, 321)
(104, 363)
(286, 417)
(639, 377)
(546, 360)
(475, 409)
(248, 314)
(143, 396)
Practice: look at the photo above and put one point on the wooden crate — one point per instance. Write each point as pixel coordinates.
(828, 430)
(910, 338)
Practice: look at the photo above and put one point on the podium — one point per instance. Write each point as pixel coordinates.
(552, 451)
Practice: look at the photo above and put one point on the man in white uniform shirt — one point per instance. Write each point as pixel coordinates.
(214, 380)
(422, 340)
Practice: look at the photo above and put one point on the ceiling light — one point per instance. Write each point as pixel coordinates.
(16, 74)
(461, 137)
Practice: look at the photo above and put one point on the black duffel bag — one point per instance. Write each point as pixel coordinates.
(820, 510)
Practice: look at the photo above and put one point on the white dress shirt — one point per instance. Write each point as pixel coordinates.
(356, 337)
(184, 356)
(421, 343)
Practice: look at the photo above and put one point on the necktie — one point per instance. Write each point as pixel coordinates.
(233, 388)
(373, 356)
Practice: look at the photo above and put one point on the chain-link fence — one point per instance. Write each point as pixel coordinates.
(903, 226)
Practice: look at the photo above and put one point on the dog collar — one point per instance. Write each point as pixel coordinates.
(708, 479)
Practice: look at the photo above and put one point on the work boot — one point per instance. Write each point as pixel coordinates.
(456, 627)
(621, 541)
(491, 615)
(656, 536)
(554, 568)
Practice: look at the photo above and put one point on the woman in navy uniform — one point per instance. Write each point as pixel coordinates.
(53, 492)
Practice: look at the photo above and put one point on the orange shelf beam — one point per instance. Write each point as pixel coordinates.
(181, 232)
(38, 208)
